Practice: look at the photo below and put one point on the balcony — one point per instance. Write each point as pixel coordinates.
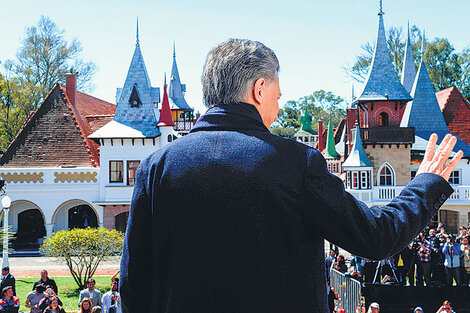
(183, 126)
(388, 135)
(387, 193)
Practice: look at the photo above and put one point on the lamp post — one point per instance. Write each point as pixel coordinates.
(6, 202)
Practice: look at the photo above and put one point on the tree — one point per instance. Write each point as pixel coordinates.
(42, 61)
(321, 105)
(446, 67)
(82, 250)
(45, 57)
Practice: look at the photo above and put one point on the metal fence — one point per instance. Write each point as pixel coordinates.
(348, 290)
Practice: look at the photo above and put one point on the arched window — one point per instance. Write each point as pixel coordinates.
(170, 138)
(383, 119)
(386, 175)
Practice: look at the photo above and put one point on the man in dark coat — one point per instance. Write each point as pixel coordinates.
(8, 280)
(232, 219)
(46, 281)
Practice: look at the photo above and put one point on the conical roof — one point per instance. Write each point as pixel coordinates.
(330, 151)
(423, 113)
(165, 113)
(409, 71)
(139, 114)
(357, 157)
(382, 81)
(177, 89)
(306, 128)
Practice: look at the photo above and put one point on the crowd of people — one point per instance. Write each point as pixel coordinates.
(44, 296)
(433, 258)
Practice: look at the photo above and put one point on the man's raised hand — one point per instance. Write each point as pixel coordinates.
(435, 161)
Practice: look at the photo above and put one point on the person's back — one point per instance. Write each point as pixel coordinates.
(231, 218)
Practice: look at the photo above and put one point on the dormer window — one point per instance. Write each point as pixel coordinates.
(134, 99)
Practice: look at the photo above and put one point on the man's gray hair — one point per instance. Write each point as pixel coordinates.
(232, 68)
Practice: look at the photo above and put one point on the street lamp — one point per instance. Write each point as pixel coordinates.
(6, 202)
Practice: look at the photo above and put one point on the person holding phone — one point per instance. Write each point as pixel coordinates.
(34, 297)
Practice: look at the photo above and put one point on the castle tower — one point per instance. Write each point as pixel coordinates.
(333, 159)
(306, 134)
(183, 114)
(380, 107)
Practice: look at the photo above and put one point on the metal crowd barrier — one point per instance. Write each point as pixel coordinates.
(348, 290)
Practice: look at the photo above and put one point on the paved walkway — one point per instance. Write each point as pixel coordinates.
(32, 266)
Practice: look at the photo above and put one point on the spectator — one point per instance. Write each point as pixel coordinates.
(9, 303)
(54, 306)
(45, 302)
(424, 261)
(451, 251)
(446, 308)
(46, 281)
(34, 297)
(112, 300)
(437, 261)
(340, 264)
(85, 305)
(462, 233)
(374, 307)
(331, 296)
(465, 252)
(418, 310)
(92, 293)
(329, 262)
(440, 228)
(8, 279)
(412, 260)
(96, 309)
(358, 264)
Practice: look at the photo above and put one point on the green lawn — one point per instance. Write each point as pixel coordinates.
(68, 292)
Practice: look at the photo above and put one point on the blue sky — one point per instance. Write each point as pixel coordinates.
(313, 39)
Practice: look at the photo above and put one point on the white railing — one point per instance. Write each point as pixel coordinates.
(387, 193)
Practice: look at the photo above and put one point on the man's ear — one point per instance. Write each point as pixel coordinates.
(257, 91)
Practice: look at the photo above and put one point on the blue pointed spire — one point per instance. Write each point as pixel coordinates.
(357, 157)
(137, 32)
(423, 113)
(423, 45)
(382, 81)
(409, 70)
(177, 89)
(140, 116)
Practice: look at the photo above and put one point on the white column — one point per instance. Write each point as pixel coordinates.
(5, 261)
(49, 229)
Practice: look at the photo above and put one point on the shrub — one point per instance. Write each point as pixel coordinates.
(82, 250)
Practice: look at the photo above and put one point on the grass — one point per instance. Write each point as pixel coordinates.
(68, 292)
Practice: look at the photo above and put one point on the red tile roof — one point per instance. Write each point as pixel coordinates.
(57, 133)
(456, 111)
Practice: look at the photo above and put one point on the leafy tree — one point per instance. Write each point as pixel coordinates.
(82, 250)
(321, 105)
(42, 61)
(45, 57)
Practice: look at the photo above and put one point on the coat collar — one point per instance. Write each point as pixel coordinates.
(237, 116)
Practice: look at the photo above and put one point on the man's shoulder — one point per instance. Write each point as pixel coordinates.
(30, 294)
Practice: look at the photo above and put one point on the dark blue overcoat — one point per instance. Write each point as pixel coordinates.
(232, 219)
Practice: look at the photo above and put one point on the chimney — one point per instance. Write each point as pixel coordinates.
(71, 86)
(321, 146)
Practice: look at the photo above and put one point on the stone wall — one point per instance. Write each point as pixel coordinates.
(397, 157)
